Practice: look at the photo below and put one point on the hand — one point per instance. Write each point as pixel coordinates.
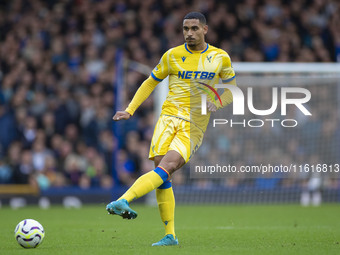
(121, 115)
(211, 107)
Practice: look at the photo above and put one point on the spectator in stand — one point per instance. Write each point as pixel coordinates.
(57, 71)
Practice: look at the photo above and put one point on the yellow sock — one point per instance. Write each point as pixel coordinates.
(166, 204)
(145, 183)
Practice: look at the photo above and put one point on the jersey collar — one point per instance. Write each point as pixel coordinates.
(186, 47)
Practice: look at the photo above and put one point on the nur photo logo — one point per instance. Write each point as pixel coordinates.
(287, 97)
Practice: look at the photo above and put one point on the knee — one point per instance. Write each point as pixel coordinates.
(172, 161)
(171, 166)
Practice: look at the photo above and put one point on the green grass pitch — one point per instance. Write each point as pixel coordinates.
(256, 229)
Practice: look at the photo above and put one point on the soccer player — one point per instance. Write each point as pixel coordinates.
(193, 68)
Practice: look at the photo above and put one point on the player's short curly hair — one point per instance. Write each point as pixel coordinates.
(196, 15)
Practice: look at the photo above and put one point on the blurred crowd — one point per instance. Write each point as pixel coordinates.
(58, 75)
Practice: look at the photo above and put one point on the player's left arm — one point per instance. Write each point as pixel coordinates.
(227, 75)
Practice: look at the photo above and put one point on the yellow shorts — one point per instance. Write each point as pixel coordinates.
(172, 133)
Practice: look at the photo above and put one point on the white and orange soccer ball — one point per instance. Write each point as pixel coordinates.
(29, 233)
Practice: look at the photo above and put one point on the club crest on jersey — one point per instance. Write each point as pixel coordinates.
(184, 58)
(209, 58)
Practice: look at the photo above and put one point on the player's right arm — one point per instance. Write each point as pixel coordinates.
(157, 75)
(141, 95)
(121, 115)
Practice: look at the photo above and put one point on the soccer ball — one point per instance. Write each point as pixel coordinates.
(29, 233)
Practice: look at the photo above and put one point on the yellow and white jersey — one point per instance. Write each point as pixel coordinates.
(192, 73)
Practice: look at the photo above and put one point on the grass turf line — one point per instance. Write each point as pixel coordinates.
(256, 229)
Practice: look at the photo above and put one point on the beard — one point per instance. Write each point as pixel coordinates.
(191, 43)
